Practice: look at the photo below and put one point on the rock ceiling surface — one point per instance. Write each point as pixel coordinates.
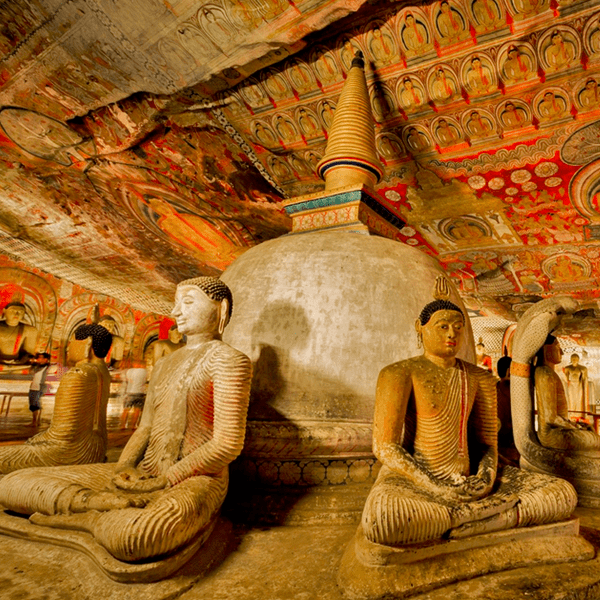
(144, 141)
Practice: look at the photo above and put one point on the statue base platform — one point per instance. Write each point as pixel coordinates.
(372, 571)
(124, 572)
(588, 490)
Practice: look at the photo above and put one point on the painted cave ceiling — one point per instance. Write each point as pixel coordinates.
(145, 141)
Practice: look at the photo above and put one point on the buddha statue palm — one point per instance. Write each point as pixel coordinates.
(435, 433)
(172, 476)
(77, 434)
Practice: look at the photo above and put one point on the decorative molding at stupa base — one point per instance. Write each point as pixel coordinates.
(355, 208)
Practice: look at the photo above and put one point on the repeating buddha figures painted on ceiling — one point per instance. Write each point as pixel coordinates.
(559, 49)
(411, 94)
(382, 45)
(478, 75)
(517, 63)
(173, 473)
(442, 84)
(325, 66)
(488, 15)
(415, 34)
(77, 433)
(451, 24)
(551, 105)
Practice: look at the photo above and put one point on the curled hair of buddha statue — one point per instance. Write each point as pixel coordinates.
(436, 305)
(214, 288)
(17, 304)
(101, 338)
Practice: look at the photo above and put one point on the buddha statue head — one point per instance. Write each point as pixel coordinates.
(550, 353)
(203, 307)
(14, 313)
(574, 359)
(88, 342)
(439, 328)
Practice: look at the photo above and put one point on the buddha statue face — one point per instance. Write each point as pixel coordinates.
(553, 353)
(14, 314)
(194, 311)
(442, 333)
(574, 359)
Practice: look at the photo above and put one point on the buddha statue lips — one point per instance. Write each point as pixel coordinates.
(428, 410)
(172, 475)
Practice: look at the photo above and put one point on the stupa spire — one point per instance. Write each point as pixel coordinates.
(351, 157)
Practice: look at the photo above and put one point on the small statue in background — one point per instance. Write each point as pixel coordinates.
(77, 434)
(17, 340)
(555, 430)
(115, 354)
(428, 485)
(165, 347)
(577, 386)
(172, 476)
(483, 360)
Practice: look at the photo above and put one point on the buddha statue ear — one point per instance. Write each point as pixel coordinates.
(418, 329)
(223, 315)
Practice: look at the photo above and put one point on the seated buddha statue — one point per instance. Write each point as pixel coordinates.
(435, 433)
(172, 476)
(17, 340)
(555, 430)
(77, 434)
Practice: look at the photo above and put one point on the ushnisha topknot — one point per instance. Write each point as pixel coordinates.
(441, 293)
(214, 288)
(101, 338)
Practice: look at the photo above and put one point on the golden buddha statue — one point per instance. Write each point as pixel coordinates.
(77, 434)
(171, 479)
(172, 343)
(17, 340)
(428, 409)
(555, 430)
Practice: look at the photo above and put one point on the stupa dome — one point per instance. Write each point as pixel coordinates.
(320, 314)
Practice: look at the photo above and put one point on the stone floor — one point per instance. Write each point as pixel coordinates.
(296, 562)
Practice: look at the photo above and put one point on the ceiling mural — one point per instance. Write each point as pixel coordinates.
(146, 141)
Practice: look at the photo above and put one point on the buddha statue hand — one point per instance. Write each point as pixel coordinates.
(134, 480)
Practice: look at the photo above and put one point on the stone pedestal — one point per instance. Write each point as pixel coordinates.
(374, 572)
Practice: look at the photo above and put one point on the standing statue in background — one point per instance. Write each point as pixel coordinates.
(171, 479)
(577, 386)
(17, 340)
(165, 347)
(77, 434)
(555, 430)
(433, 482)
